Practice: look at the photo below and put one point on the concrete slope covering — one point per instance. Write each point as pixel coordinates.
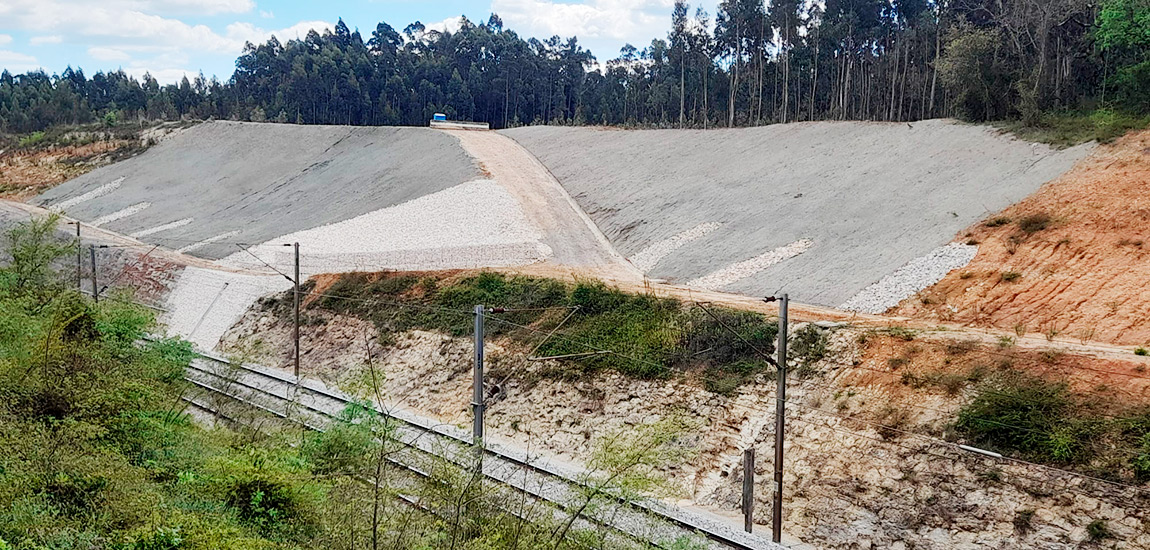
(819, 210)
(223, 182)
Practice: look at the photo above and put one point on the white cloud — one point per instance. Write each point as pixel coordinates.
(247, 32)
(197, 7)
(5, 38)
(125, 22)
(108, 54)
(142, 35)
(633, 20)
(451, 25)
(16, 62)
(267, 14)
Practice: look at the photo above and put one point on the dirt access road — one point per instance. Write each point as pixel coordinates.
(575, 240)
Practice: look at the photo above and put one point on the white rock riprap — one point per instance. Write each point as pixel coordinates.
(475, 224)
(205, 303)
(650, 257)
(749, 268)
(911, 278)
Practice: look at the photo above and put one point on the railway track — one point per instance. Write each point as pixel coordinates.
(423, 441)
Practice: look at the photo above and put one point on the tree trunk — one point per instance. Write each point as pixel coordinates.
(786, 71)
(937, 56)
(734, 81)
(814, 78)
(682, 89)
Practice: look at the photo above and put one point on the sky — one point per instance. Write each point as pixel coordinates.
(173, 38)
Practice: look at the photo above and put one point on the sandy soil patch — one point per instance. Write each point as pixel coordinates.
(1072, 260)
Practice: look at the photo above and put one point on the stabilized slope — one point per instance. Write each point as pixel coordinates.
(1072, 260)
(223, 182)
(819, 210)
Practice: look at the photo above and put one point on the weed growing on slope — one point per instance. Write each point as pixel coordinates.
(1042, 421)
(1034, 222)
(1065, 129)
(648, 336)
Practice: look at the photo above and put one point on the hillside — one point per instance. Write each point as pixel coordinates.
(1069, 260)
(820, 210)
(254, 182)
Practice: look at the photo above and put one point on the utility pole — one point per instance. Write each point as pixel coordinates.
(295, 331)
(780, 418)
(95, 289)
(477, 404)
(748, 489)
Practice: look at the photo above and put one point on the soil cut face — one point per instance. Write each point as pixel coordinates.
(1071, 260)
(24, 174)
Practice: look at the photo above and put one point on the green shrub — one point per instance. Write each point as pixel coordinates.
(31, 140)
(1023, 520)
(808, 346)
(1141, 460)
(902, 333)
(1034, 222)
(1097, 530)
(1141, 351)
(163, 538)
(269, 488)
(348, 446)
(1011, 276)
(1023, 414)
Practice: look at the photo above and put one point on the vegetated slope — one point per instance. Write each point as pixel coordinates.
(253, 182)
(1069, 260)
(865, 197)
(866, 408)
(41, 160)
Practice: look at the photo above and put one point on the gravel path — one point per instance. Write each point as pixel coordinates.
(872, 196)
(911, 278)
(476, 224)
(574, 238)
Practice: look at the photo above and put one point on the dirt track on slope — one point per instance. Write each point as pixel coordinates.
(575, 240)
(1083, 276)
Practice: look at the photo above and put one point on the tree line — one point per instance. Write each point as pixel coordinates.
(755, 62)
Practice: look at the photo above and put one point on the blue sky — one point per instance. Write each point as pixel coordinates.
(171, 38)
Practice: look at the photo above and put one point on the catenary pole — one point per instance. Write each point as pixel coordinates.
(749, 489)
(295, 328)
(95, 289)
(477, 380)
(79, 259)
(780, 418)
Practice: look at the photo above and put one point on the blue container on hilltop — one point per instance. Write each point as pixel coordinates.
(439, 117)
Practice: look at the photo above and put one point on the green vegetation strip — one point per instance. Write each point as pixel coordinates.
(1042, 421)
(648, 336)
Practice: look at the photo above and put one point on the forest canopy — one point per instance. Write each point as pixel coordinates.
(753, 62)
